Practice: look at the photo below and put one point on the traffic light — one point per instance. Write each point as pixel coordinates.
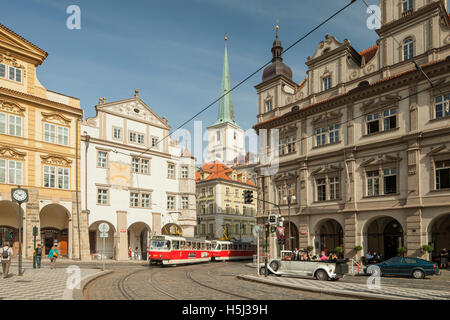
(281, 237)
(248, 196)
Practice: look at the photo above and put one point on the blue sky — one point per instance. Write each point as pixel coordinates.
(172, 50)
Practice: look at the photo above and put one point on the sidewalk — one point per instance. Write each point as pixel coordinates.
(342, 288)
(42, 284)
(64, 261)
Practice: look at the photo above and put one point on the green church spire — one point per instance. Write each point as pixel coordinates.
(226, 112)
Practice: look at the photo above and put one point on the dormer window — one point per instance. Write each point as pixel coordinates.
(14, 74)
(408, 49)
(407, 5)
(326, 83)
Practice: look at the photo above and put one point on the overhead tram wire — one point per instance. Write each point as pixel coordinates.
(251, 75)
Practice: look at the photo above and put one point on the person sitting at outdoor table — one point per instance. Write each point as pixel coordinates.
(369, 256)
(334, 257)
(323, 257)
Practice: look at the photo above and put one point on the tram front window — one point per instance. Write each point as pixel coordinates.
(160, 245)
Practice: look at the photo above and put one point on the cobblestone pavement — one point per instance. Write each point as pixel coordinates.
(212, 281)
(38, 284)
(390, 288)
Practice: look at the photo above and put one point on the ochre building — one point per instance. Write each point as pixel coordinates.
(40, 151)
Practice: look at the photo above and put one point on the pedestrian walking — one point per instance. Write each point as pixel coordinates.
(53, 255)
(38, 255)
(130, 253)
(6, 253)
(444, 258)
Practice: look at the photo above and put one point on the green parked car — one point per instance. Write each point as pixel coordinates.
(399, 266)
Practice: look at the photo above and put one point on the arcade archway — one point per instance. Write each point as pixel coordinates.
(329, 235)
(440, 235)
(138, 234)
(96, 242)
(9, 224)
(384, 236)
(54, 225)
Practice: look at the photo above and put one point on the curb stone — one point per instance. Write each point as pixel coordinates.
(363, 295)
(78, 294)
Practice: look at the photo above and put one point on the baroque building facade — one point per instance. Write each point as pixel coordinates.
(40, 151)
(363, 141)
(134, 178)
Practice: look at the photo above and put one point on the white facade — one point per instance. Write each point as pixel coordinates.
(225, 143)
(134, 187)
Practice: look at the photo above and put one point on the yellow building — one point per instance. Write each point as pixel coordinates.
(40, 151)
(221, 211)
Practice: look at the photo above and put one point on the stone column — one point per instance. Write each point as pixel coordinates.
(303, 225)
(31, 209)
(122, 228)
(350, 236)
(413, 241)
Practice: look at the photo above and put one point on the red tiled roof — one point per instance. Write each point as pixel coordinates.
(368, 54)
(301, 84)
(218, 170)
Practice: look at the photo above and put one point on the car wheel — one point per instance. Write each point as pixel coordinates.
(274, 265)
(418, 274)
(262, 271)
(321, 275)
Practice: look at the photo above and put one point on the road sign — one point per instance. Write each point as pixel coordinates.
(103, 227)
(257, 230)
(103, 235)
(272, 219)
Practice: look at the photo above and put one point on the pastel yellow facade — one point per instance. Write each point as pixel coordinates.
(221, 211)
(40, 151)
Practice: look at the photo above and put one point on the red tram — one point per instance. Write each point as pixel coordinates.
(178, 250)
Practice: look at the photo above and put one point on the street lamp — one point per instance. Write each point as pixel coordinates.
(289, 198)
(20, 196)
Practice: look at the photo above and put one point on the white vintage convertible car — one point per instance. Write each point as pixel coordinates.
(317, 269)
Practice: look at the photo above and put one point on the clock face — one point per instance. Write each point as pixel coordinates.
(20, 195)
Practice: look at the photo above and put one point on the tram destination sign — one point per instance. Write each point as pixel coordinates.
(158, 238)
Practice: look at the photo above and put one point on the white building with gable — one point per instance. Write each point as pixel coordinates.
(134, 179)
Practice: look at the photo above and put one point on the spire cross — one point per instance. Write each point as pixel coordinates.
(226, 38)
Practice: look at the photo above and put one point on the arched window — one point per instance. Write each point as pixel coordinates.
(408, 49)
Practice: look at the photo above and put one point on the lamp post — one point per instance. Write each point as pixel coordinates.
(289, 198)
(20, 196)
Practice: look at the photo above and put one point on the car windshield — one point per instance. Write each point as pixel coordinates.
(160, 245)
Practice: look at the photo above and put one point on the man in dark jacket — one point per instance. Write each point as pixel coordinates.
(38, 254)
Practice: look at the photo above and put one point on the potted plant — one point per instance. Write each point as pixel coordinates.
(402, 251)
(338, 249)
(427, 248)
(357, 248)
(309, 248)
